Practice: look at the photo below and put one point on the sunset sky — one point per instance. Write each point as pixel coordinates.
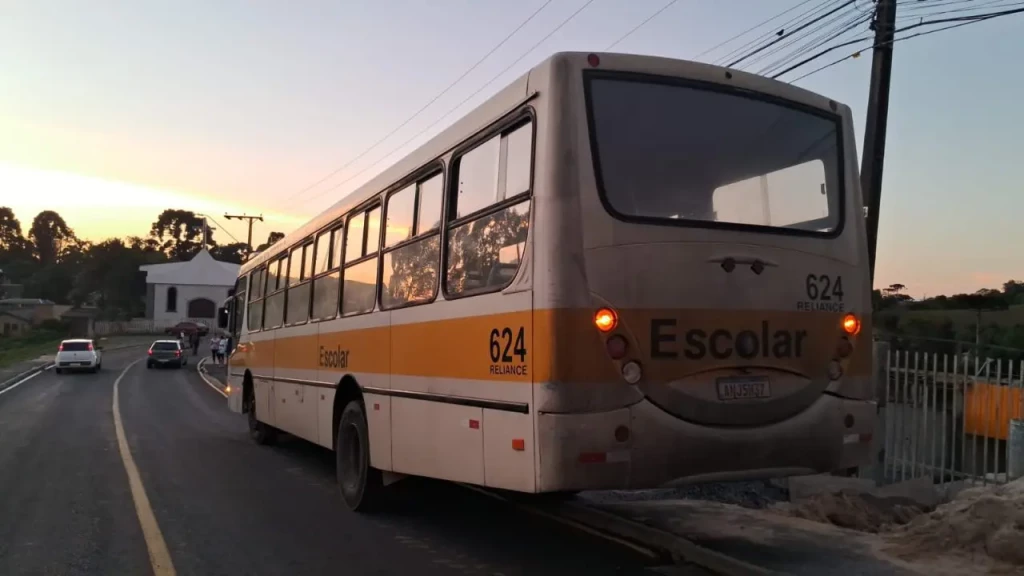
(111, 111)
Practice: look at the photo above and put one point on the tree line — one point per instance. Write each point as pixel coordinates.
(953, 324)
(51, 262)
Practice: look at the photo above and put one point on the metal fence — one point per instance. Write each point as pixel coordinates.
(950, 417)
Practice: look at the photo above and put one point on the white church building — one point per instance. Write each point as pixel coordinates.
(191, 290)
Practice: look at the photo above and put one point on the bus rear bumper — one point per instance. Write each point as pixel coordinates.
(642, 446)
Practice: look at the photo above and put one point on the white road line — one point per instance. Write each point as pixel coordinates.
(159, 556)
(199, 369)
(19, 382)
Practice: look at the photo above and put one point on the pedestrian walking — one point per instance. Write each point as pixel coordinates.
(195, 344)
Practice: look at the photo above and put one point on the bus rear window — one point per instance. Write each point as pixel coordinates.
(672, 153)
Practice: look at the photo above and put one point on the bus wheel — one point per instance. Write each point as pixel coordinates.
(260, 433)
(360, 485)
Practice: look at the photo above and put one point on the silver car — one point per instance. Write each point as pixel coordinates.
(78, 354)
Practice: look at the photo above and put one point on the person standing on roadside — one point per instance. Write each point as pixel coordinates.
(195, 344)
(214, 348)
(222, 349)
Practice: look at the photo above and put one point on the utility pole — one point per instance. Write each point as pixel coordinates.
(250, 219)
(878, 115)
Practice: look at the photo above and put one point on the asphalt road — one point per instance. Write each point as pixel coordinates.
(226, 506)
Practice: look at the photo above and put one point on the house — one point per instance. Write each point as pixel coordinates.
(15, 322)
(35, 310)
(190, 290)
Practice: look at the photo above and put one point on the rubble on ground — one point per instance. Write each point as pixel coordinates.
(982, 521)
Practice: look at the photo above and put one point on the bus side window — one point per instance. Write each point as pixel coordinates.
(255, 312)
(412, 244)
(238, 307)
(273, 311)
(299, 285)
(362, 240)
(327, 274)
(490, 213)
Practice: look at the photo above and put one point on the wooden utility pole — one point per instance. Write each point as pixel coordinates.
(878, 115)
(248, 241)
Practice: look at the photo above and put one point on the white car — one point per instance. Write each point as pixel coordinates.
(79, 354)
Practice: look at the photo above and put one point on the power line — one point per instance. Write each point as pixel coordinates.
(961, 21)
(827, 31)
(640, 25)
(769, 36)
(751, 29)
(425, 106)
(460, 104)
(817, 42)
(780, 38)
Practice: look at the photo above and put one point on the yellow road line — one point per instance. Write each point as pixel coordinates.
(159, 557)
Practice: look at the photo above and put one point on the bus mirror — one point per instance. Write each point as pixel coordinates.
(222, 318)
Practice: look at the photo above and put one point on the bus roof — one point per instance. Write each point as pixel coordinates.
(507, 100)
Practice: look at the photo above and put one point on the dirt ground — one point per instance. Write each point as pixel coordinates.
(981, 525)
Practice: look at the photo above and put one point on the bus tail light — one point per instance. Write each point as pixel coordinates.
(851, 324)
(616, 346)
(631, 372)
(606, 319)
(519, 444)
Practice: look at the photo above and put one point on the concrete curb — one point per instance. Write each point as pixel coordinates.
(32, 371)
(210, 381)
(653, 542)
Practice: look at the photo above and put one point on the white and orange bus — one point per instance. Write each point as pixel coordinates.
(619, 272)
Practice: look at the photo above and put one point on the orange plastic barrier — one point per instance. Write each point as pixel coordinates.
(988, 409)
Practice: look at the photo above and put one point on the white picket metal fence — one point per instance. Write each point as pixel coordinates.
(951, 417)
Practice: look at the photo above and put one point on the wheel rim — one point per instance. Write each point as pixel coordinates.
(352, 455)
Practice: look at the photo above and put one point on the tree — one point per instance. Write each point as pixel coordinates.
(11, 239)
(51, 237)
(271, 239)
(110, 278)
(895, 288)
(234, 253)
(180, 234)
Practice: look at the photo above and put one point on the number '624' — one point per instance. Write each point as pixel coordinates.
(502, 342)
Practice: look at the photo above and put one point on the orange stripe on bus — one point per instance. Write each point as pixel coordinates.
(561, 346)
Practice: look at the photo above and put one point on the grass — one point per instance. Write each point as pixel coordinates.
(28, 347)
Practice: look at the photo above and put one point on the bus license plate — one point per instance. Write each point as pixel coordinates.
(744, 388)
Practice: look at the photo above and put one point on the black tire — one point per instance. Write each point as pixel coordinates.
(260, 433)
(361, 485)
(58, 370)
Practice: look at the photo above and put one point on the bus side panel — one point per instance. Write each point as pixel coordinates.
(295, 358)
(261, 364)
(466, 351)
(509, 451)
(357, 347)
(438, 440)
